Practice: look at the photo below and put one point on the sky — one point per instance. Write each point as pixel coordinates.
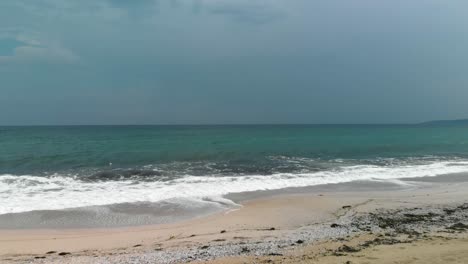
(90, 62)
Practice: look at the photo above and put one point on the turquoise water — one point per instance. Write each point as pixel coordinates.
(115, 164)
(39, 149)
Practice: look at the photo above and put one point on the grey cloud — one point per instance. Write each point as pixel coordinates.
(31, 47)
(254, 11)
(137, 9)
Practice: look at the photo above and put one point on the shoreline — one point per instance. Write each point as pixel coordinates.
(261, 227)
(128, 215)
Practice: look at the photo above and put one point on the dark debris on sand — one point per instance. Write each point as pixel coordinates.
(415, 221)
(404, 226)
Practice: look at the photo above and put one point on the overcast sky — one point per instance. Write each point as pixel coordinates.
(232, 61)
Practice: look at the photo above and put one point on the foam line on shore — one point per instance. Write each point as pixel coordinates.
(28, 192)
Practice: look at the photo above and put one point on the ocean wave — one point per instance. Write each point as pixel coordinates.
(29, 192)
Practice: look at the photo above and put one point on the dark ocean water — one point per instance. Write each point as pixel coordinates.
(64, 167)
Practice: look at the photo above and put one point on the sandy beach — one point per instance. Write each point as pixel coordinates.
(233, 132)
(420, 221)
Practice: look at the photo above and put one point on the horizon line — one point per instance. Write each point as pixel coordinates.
(217, 124)
(245, 124)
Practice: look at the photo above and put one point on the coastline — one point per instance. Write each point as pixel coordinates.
(173, 211)
(264, 227)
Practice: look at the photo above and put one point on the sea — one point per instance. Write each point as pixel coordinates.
(47, 168)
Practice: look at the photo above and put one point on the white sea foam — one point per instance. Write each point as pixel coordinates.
(27, 193)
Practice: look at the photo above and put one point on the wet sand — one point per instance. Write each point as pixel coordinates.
(308, 227)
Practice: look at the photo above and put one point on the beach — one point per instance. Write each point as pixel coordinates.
(233, 132)
(353, 223)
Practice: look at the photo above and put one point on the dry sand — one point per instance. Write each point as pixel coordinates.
(294, 227)
(431, 250)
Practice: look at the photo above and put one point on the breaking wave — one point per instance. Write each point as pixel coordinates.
(21, 193)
